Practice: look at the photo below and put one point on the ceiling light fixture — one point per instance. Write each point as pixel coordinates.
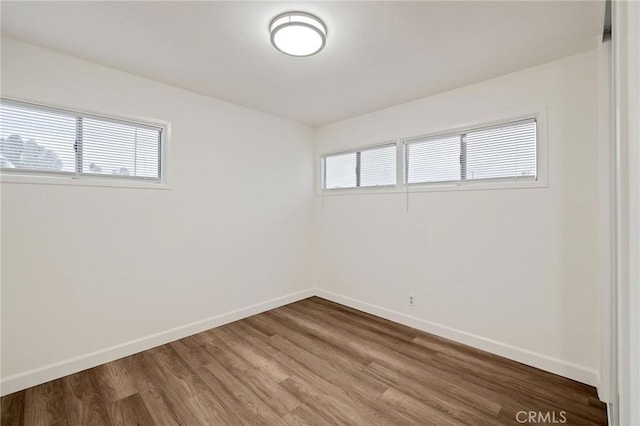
(298, 33)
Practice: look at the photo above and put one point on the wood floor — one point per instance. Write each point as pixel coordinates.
(312, 362)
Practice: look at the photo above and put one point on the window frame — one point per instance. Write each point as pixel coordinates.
(357, 151)
(463, 154)
(541, 180)
(86, 179)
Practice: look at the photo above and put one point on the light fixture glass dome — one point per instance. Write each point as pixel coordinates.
(298, 33)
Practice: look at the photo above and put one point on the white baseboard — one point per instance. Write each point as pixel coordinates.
(54, 371)
(554, 365)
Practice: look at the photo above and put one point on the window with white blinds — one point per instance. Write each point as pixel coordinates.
(45, 140)
(504, 151)
(364, 168)
(433, 160)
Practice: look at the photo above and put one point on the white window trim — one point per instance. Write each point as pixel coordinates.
(15, 178)
(542, 163)
(351, 151)
(44, 178)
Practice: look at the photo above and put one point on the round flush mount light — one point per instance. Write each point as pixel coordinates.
(298, 33)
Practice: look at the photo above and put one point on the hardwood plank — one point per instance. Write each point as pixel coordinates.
(12, 409)
(420, 412)
(114, 381)
(367, 388)
(329, 384)
(83, 402)
(44, 404)
(256, 380)
(211, 411)
(155, 400)
(317, 339)
(303, 415)
(221, 391)
(249, 400)
(353, 326)
(441, 399)
(324, 398)
(192, 352)
(258, 359)
(164, 390)
(130, 410)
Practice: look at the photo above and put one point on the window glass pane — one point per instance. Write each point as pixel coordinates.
(378, 166)
(433, 160)
(36, 139)
(340, 171)
(508, 151)
(119, 149)
(45, 139)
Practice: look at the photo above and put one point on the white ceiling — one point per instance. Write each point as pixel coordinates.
(378, 54)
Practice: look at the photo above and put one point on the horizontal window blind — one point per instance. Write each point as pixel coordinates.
(378, 166)
(55, 141)
(433, 160)
(365, 168)
(501, 152)
(340, 171)
(33, 139)
(505, 151)
(119, 149)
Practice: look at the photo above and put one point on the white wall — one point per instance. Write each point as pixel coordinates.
(87, 268)
(513, 271)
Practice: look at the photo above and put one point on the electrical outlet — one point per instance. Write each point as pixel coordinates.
(411, 300)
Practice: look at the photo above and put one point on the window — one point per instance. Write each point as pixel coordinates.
(44, 140)
(505, 151)
(433, 160)
(364, 168)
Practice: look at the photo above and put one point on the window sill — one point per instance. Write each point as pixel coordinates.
(85, 181)
(417, 188)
